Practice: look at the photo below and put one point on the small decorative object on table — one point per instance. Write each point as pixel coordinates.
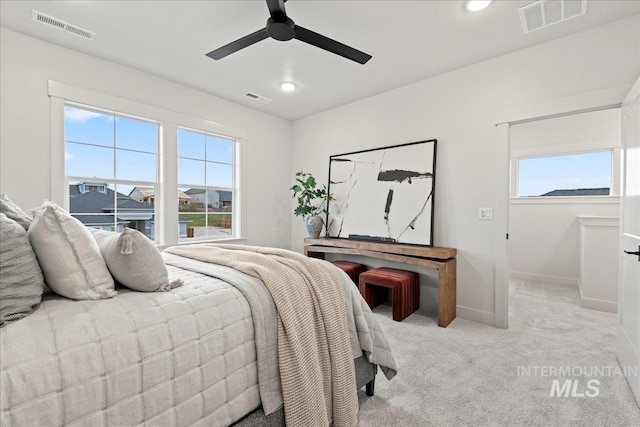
(312, 200)
(314, 226)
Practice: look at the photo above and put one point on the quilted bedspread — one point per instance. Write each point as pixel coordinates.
(202, 354)
(180, 358)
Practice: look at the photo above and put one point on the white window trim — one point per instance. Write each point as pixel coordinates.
(565, 200)
(167, 234)
(567, 148)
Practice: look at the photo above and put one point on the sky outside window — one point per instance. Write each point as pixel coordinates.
(99, 145)
(541, 175)
(204, 160)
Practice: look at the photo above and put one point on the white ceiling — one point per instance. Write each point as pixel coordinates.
(409, 41)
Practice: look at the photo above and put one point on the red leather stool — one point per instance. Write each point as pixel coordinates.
(353, 269)
(404, 285)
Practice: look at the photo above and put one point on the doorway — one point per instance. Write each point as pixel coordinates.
(564, 204)
(583, 103)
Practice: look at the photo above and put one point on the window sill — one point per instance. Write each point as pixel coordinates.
(565, 200)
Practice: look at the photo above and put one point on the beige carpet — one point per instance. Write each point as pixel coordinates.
(468, 373)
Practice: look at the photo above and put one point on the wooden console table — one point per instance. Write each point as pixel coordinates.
(441, 259)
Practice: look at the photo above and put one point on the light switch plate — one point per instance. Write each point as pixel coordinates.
(485, 213)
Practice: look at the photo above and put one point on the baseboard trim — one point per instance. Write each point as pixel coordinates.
(628, 358)
(597, 304)
(554, 280)
(474, 315)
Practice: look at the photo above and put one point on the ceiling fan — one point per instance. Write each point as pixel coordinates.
(281, 27)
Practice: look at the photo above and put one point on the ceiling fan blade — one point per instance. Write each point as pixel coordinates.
(276, 9)
(331, 45)
(235, 46)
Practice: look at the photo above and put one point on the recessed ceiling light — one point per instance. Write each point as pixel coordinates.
(287, 86)
(475, 5)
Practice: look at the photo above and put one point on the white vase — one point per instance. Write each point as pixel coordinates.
(314, 226)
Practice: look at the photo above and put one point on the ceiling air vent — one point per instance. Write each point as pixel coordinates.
(61, 25)
(544, 13)
(257, 97)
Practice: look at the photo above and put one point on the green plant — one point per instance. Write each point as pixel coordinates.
(312, 200)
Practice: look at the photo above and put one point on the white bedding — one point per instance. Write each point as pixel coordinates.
(179, 358)
(201, 354)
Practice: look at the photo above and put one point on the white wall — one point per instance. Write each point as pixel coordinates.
(544, 233)
(545, 239)
(599, 259)
(459, 109)
(26, 64)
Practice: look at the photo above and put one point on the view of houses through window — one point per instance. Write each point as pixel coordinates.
(111, 164)
(106, 157)
(205, 179)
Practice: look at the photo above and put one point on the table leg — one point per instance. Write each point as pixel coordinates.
(447, 293)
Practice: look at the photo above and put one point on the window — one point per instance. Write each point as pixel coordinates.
(118, 163)
(109, 160)
(206, 171)
(567, 175)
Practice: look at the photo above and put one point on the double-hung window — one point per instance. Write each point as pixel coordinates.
(206, 173)
(111, 163)
(119, 163)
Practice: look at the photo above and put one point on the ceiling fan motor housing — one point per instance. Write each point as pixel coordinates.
(281, 30)
(281, 27)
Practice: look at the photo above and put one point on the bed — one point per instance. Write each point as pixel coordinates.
(205, 353)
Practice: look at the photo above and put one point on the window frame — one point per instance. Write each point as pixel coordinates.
(169, 121)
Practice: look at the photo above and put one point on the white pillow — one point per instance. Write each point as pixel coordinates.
(21, 280)
(134, 261)
(68, 255)
(13, 211)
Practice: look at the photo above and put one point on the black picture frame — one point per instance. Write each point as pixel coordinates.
(384, 194)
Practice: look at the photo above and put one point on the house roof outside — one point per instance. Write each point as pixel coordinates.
(577, 192)
(96, 202)
(93, 220)
(145, 191)
(195, 191)
(128, 204)
(150, 192)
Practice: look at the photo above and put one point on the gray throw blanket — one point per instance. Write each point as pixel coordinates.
(315, 357)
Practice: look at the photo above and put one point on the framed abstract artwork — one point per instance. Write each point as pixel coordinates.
(384, 194)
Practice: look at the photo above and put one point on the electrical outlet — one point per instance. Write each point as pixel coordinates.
(485, 213)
